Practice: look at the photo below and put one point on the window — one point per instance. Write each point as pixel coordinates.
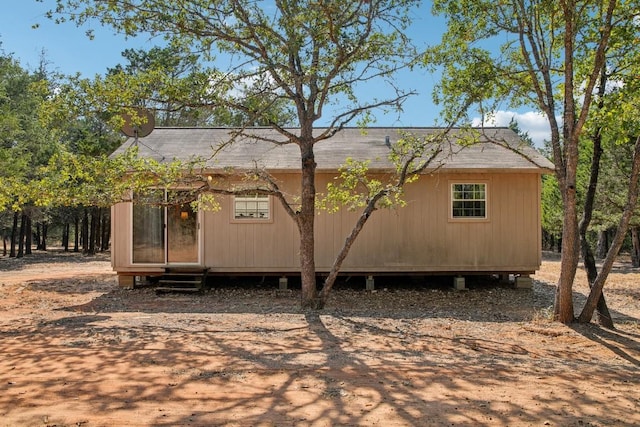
(251, 207)
(469, 200)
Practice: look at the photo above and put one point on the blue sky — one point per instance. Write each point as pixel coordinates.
(68, 50)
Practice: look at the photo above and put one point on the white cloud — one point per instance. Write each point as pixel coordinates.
(535, 124)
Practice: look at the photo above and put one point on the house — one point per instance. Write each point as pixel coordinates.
(479, 213)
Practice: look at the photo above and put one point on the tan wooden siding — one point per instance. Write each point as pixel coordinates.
(120, 235)
(419, 237)
(257, 246)
(422, 237)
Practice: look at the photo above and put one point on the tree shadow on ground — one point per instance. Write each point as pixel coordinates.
(618, 316)
(302, 369)
(244, 356)
(492, 304)
(624, 344)
(488, 303)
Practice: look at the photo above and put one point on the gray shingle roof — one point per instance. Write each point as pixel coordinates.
(247, 152)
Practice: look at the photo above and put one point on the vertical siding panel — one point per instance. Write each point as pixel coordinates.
(289, 230)
(276, 244)
(525, 213)
(375, 244)
(497, 214)
(252, 244)
(336, 233)
(357, 254)
(244, 241)
(259, 253)
(416, 243)
(206, 223)
(329, 230)
(532, 245)
(506, 227)
(418, 236)
(259, 233)
(121, 246)
(217, 236)
(222, 235)
(235, 246)
(518, 220)
(437, 226)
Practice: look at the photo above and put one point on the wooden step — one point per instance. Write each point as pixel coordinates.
(184, 283)
(182, 279)
(184, 273)
(170, 289)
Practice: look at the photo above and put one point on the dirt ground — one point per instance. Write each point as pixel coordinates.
(77, 351)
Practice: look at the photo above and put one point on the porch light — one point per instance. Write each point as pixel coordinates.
(184, 215)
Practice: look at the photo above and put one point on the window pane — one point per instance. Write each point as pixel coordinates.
(468, 200)
(251, 207)
(182, 232)
(148, 229)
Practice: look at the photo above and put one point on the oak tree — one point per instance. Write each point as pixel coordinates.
(311, 55)
(549, 56)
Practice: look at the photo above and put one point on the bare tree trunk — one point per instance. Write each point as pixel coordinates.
(604, 315)
(28, 237)
(92, 231)
(563, 307)
(38, 238)
(550, 241)
(618, 239)
(85, 231)
(65, 236)
(98, 230)
(603, 244)
(305, 222)
(23, 221)
(14, 235)
(45, 231)
(106, 230)
(566, 171)
(76, 233)
(635, 250)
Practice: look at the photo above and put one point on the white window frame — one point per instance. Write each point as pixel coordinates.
(472, 199)
(262, 212)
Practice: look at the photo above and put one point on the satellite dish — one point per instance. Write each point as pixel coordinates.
(138, 130)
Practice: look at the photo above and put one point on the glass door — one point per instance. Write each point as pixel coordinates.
(148, 228)
(165, 230)
(182, 231)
